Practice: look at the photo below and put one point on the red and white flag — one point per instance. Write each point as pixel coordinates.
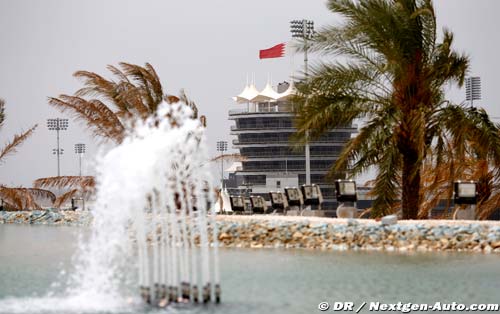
(277, 51)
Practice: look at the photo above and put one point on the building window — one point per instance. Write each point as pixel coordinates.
(278, 184)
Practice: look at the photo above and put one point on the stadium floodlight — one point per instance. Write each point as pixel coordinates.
(312, 194)
(258, 204)
(57, 125)
(465, 192)
(222, 147)
(294, 197)
(472, 89)
(237, 203)
(80, 150)
(345, 191)
(278, 201)
(302, 29)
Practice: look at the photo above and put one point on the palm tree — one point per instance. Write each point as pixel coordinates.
(107, 106)
(83, 186)
(19, 198)
(392, 74)
(437, 181)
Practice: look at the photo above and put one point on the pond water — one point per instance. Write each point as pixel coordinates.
(35, 262)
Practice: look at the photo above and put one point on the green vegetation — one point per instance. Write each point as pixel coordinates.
(391, 72)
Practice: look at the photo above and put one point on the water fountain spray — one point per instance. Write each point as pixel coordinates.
(157, 183)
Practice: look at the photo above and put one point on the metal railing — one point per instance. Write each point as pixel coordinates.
(283, 168)
(273, 109)
(293, 156)
(270, 142)
(262, 126)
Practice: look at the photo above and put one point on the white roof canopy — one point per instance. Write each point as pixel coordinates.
(291, 91)
(267, 94)
(247, 94)
(251, 94)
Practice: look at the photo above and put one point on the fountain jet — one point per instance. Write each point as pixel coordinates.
(152, 197)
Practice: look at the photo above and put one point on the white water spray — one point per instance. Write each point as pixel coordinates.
(153, 191)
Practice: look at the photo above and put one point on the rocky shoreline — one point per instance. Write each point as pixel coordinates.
(47, 217)
(265, 231)
(350, 234)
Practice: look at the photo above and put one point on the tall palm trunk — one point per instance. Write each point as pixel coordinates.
(411, 185)
(410, 141)
(410, 93)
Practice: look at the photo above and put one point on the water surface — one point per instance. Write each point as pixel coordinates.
(253, 281)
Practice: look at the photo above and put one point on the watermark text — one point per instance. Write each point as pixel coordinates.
(407, 307)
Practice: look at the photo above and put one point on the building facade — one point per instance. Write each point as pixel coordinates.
(263, 130)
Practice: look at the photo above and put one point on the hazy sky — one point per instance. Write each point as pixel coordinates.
(206, 47)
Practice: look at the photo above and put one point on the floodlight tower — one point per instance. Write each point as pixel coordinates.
(222, 147)
(304, 29)
(80, 150)
(57, 125)
(472, 89)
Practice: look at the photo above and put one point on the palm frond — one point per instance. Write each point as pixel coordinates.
(97, 86)
(20, 198)
(149, 82)
(229, 158)
(41, 193)
(203, 120)
(387, 185)
(83, 183)
(61, 199)
(357, 155)
(188, 102)
(96, 115)
(2, 112)
(11, 147)
(13, 197)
